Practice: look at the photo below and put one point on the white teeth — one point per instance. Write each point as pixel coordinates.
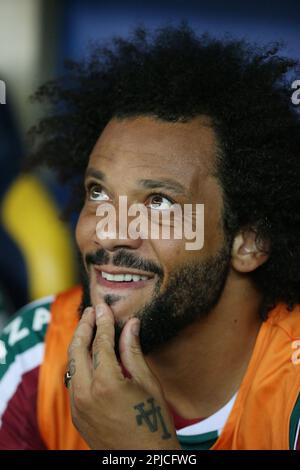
(123, 277)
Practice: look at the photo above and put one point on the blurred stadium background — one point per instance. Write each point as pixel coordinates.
(37, 255)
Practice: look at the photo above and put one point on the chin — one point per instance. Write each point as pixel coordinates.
(125, 303)
(123, 306)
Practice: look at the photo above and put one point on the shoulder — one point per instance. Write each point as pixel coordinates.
(21, 354)
(288, 322)
(284, 364)
(22, 339)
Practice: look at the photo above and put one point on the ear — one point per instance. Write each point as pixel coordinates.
(248, 252)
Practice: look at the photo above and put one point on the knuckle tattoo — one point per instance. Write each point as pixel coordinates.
(96, 359)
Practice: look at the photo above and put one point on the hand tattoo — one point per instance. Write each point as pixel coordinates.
(96, 360)
(151, 417)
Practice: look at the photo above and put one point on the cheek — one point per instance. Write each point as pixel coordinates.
(173, 253)
(85, 230)
(170, 253)
(213, 220)
(213, 232)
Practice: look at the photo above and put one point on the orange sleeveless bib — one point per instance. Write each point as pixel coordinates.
(53, 408)
(260, 418)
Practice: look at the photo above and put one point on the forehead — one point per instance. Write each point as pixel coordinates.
(150, 146)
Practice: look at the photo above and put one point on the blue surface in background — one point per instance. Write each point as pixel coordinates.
(258, 21)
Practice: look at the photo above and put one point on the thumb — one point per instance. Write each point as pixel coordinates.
(131, 353)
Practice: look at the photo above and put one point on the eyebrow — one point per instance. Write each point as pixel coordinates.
(164, 183)
(95, 174)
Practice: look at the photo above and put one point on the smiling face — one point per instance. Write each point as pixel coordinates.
(157, 164)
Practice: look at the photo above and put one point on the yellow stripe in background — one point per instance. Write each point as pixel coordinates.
(30, 216)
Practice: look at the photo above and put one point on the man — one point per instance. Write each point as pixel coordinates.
(175, 348)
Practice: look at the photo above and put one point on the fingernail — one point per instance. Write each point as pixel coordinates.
(135, 329)
(99, 311)
(86, 311)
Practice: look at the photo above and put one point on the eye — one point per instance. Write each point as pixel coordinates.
(159, 202)
(95, 192)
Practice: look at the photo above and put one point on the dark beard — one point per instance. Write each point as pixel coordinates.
(192, 291)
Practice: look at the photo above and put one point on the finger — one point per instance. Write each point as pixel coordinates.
(105, 363)
(79, 355)
(132, 356)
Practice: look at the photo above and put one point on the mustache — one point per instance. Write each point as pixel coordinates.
(124, 259)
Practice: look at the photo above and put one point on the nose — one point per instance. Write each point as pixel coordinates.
(112, 232)
(115, 243)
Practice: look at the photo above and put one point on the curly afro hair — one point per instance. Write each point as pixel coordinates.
(175, 74)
